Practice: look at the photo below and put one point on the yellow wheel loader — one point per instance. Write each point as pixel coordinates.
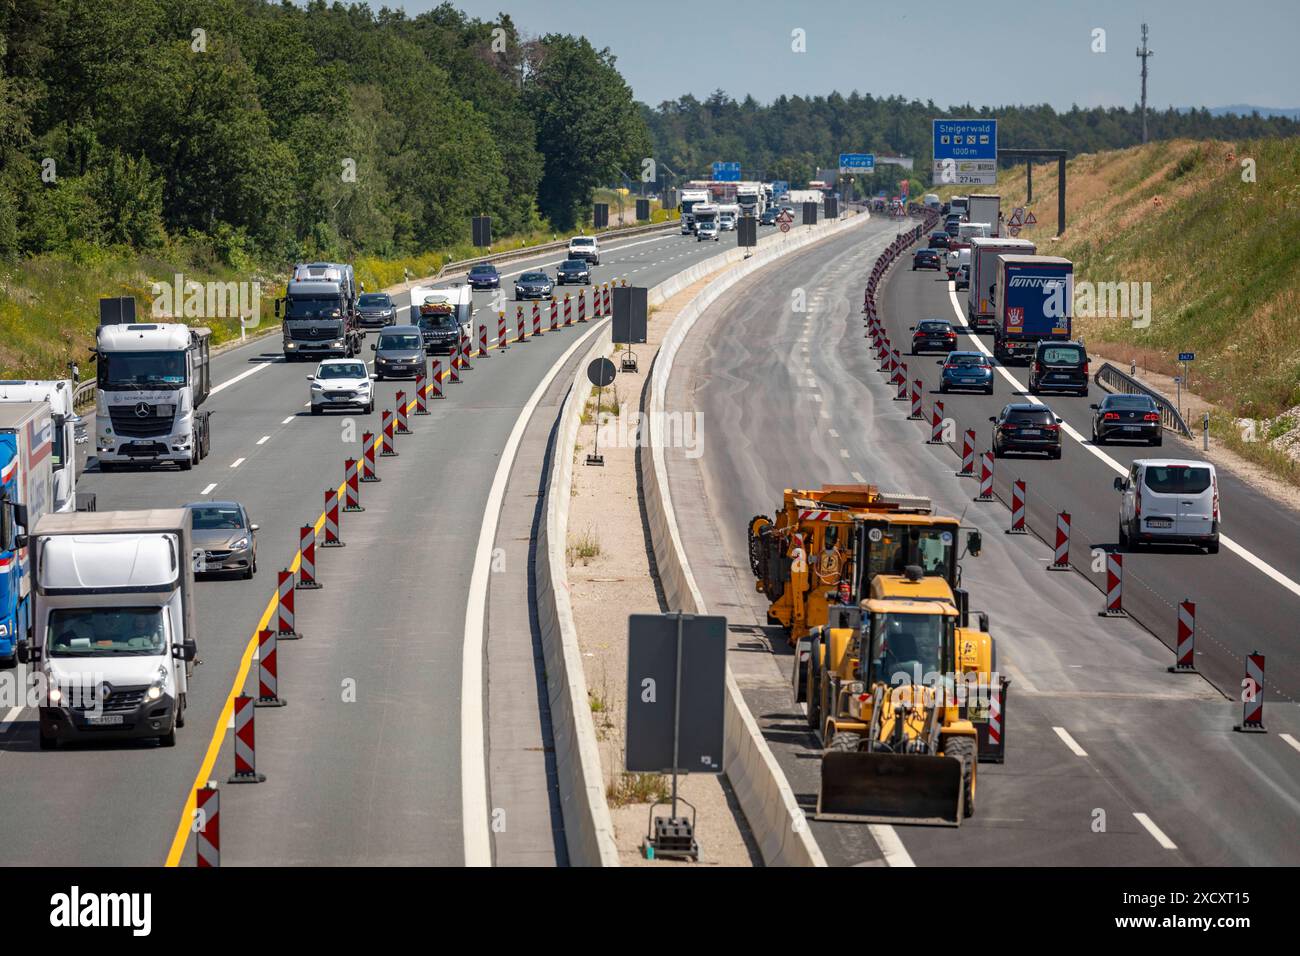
(889, 693)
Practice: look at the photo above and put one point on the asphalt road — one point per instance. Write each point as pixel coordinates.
(364, 765)
(1111, 760)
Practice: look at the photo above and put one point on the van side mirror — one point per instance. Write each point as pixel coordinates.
(1093, 406)
(279, 307)
(310, 378)
(23, 653)
(185, 651)
(374, 346)
(993, 418)
(1119, 484)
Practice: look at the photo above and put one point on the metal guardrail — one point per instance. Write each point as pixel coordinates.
(83, 394)
(1108, 376)
(523, 252)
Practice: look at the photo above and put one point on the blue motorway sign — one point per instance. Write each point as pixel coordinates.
(780, 187)
(726, 172)
(966, 139)
(857, 163)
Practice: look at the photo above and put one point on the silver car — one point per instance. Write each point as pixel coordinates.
(226, 535)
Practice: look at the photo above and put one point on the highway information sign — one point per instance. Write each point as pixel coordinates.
(726, 172)
(965, 152)
(851, 163)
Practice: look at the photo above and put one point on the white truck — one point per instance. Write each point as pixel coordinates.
(690, 198)
(58, 395)
(114, 637)
(152, 379)
(984, 207)
(751, 199)
(966, 231)
(984, 253)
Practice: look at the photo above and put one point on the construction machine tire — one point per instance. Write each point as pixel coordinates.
(846, 743)
(814, 679)
(757, 556)
(963, 748)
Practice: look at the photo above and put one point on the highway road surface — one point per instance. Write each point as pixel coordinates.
(1111, 760)
(372, 761)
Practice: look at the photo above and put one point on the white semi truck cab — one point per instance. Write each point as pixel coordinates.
(152, 380)
(690, 198)
(114, 640)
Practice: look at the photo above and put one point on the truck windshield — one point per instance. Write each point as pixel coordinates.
(104, 632)
(906, 647)
(308, 308)
(141, 370)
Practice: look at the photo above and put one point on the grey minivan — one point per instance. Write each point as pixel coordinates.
(399, 353)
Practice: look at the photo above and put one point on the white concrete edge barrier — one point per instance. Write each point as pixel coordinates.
(588, 828)
(764, 794)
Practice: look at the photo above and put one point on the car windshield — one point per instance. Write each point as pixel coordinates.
(344, 370)
(141, 370)
(396, 342)
(101, 632)
(1040, 416)
(216, 518)
(907, 647)
(483, 271)
(375, 300)
(437, 320)
(582, 242)
(1177, 479)
(573, 265)
(534, 277)
(934, 327)
(1139, 403)
(968, 361)
(1063, 355)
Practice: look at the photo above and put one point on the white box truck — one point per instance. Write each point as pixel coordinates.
(983, 276)
(984, 207)
(57, 394)
(114, 637)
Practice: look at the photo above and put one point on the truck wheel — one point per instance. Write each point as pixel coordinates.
(845, 743)
(8, 663)
(963, 748)
(180, 711)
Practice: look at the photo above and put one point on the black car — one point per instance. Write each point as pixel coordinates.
(399, 353)
(484, 276)
(1127, 417)
(375, 310)
(926, 259)
(533, 285)
(933, 335)
(573, 270)
(768, 216)
(939, 240)
(1059, 367)
(1023, 427)
(440, 332)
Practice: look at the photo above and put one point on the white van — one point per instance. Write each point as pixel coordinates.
(1169, 501)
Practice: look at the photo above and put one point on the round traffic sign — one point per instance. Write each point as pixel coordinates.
(600, 372)
(785, 227)
(1014, 230)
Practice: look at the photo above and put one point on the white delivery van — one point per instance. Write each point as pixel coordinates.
(1169, 501)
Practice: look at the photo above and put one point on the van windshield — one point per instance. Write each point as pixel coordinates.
(1177, 479)
(105, 632)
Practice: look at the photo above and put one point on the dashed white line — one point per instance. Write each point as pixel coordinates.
(1155, 831)
(208, 489)
(236, 463)
(264, 439)
(844, 453)
(1070, 741)
(1291, 740)
(833, 433)
(857, 476)
(891, 846)
(10, 717)
(287, 420)
(239, 378)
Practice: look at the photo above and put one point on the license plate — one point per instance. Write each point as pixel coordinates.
(106, 721)
(1030, 431)
(1159, 523)
(1132, 428)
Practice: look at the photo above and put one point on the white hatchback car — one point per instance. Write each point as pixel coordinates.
(1169, 501)
(341, 383)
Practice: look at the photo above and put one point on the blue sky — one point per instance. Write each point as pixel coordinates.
(1208, 53)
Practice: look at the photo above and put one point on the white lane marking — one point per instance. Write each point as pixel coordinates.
(1236, 548)
(816, 395)
(208, 489)
(844, 453)
(264, 439)
(236, 463)
(857, 476)
(891, 846)
(473, 770)
(833, 433)
(1291, 740)
(238, 378)
(10, 717)
(1070, 742)
(1155, 831)
(287, 420)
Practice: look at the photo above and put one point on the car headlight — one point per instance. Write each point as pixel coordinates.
(363, 387)
(317, 386)
(56, 695)
(154, 692)
(240, 545)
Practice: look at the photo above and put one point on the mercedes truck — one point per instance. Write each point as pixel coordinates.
(318, 312)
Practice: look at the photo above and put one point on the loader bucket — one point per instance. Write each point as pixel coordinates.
(890, 788)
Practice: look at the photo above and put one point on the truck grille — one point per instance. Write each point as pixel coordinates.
(142, 420)
(121, 699)
(315, 334)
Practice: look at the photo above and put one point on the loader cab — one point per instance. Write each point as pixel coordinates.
(892, 543)
(907, 642)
